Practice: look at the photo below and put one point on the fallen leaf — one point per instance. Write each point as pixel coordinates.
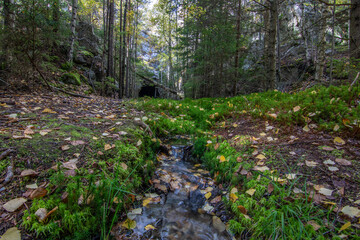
(242, 209)
(108, 147)
(77, 143)
(216, 200)
(351, 211)
(273, 115)
(336, 127)
(11, 234)
(208, 195)
(329, 162)
(132, 214)
(149, 227)
(251, 191)
(48, 110)
(297, 108)
(343, 162)
(65, 147)
(124, 166)
(233, 197)
(339, 141)
(222, 158)
(310, 163)
(29, 131)
(44, 132)
(129, 224)
(327, 148)
(146, 202)
(38, 193)
(28, 173)
(14, 204)
(314, 224)
(306, 128)
(333, 169)
(32, 186)
(261, 169)
(260, 157)
(325, 191)
(345, 226)
(291, 176)
(270, 188)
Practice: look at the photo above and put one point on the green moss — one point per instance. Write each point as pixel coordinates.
(71, 78)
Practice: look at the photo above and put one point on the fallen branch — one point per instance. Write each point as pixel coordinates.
(161, 86)
(6, 153)
(353, 83)
(51, 88)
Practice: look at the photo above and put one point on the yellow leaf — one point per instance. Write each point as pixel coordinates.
(336, 128)
(108, 147)
(146, 202)
(345, 226)
(48, 110)
(339, 141)
(233, 197)
(208, 195)
(149, 227)
(129, 224)
(235, 125)
(251, 191)
(297, 108)
(260, 157)
(306, 128)
(222, 158)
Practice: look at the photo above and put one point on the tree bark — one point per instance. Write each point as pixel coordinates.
(123, 51)
(121, 83)
(354, 34)
(110, 72)
(271, 48)
(72, 27)
(237, 53)
(9, 23)
(320, 59)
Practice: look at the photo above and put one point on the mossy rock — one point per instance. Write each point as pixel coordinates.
(71, 78)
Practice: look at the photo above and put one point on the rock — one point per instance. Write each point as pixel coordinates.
(80, 58)
(15, 204)
(218, 224)
(197, 200)
(87, 38)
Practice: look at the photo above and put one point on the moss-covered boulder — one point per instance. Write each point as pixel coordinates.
(71, 78)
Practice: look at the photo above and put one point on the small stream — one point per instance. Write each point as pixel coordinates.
(186, 203)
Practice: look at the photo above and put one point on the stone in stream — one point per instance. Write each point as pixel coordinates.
(196, 200)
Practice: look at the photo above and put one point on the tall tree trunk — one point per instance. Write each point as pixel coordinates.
(110, 71)
(56, 15)
(237, 53)
(354, 34)
(72, 27)
(332, 42)
(320, 59)
(271, 48)
(123, 51)
(121, 83)
(9, 24)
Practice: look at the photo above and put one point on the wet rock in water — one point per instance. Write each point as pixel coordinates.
(197, 200)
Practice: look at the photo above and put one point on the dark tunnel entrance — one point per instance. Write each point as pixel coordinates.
(149, 91)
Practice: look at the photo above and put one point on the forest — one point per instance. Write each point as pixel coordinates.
(179, 119)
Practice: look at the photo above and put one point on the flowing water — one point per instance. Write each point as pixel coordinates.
(178, 208)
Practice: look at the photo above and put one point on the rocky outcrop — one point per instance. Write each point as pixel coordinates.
(87, 38)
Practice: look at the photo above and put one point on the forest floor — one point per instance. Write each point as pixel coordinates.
(52, 146)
